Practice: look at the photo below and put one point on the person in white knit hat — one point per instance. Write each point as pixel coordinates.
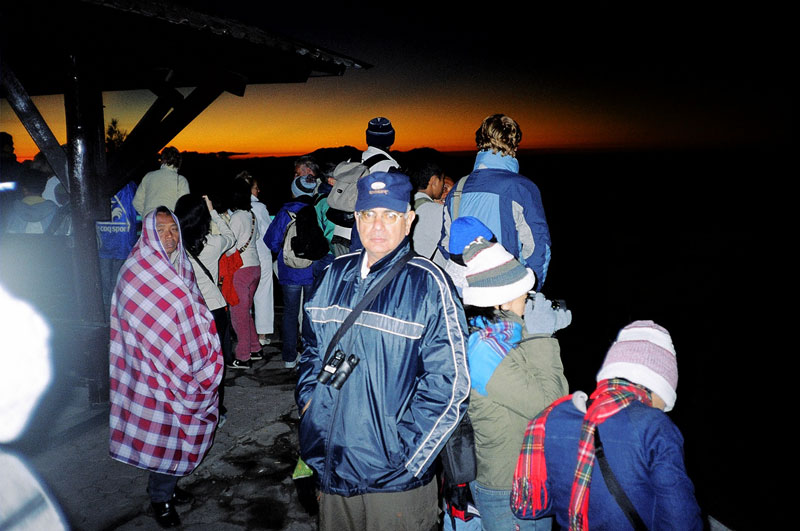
(514, 374)
(622, 430)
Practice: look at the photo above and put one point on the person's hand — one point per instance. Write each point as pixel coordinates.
(209, 204)
(541, 318)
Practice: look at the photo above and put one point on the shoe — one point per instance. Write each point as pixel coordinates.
(239, 364)
(264, 340)
(223, 418)
(181, 496)
(256, 356)
(165, 514)
(291, 364)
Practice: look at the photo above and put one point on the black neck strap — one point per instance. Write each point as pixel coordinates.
(614, 486)
(363, 303)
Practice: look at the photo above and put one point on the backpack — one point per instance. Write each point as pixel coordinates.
(344, 193)
(304, 242)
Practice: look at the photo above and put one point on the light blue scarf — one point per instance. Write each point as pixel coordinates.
(487, 159)
(486, 348)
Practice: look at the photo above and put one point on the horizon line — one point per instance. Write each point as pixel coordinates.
(238, 155)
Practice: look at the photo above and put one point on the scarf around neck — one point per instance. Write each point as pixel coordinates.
(529, 490)
(487, 346)
(487, 159)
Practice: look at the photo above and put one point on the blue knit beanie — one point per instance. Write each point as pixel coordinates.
(463, 231)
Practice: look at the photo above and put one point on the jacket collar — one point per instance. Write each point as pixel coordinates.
(387, 261)
(488, 159)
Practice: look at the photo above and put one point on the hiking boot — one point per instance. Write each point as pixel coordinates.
(165, 514)
(181, 496)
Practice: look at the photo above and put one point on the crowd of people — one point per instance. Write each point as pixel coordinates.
(413, 308)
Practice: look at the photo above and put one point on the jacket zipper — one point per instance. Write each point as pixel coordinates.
(327, 478)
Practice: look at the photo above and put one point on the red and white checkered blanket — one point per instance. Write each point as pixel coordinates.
(165, 362)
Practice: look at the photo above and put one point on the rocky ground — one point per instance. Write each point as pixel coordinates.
(245, 481)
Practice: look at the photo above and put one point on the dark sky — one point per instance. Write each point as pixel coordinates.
(613, 74)
(709, 58)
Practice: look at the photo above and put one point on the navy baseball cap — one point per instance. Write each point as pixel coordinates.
(381, 189)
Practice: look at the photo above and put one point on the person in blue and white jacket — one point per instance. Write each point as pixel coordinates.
(508, 203)
(374, 441)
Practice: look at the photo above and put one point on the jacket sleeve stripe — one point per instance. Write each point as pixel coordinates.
(448, 420)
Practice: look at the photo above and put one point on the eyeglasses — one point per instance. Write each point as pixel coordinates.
(388, 217)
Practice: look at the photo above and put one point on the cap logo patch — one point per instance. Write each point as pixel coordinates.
(378, 185)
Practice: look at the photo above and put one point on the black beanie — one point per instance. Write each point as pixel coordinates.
(380, 133)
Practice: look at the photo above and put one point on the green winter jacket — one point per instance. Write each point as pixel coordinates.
(530, 378)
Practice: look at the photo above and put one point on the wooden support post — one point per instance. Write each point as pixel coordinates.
(83, 105)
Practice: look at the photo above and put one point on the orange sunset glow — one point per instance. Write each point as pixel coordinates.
(275, 120)
(569, 86)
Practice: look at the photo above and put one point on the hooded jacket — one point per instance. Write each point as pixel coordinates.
(510, 205)
(527, 380)
(382, 431)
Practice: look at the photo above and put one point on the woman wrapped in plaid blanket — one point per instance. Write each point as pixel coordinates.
(165, 365)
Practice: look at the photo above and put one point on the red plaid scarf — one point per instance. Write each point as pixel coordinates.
(529, 490)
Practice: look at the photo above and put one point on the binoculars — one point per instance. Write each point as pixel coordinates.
(338, 369)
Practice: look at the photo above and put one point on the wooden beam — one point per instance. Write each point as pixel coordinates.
(34, 123)
(160, 133)
(135, 150)
(190, 108)
(167, 99)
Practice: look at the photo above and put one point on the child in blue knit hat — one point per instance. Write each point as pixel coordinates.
(514, 374)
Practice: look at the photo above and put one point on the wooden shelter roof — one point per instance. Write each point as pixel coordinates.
(142, 44)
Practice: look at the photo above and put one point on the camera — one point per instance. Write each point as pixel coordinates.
(555, 304)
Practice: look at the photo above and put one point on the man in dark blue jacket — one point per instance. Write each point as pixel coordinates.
(373, 441)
